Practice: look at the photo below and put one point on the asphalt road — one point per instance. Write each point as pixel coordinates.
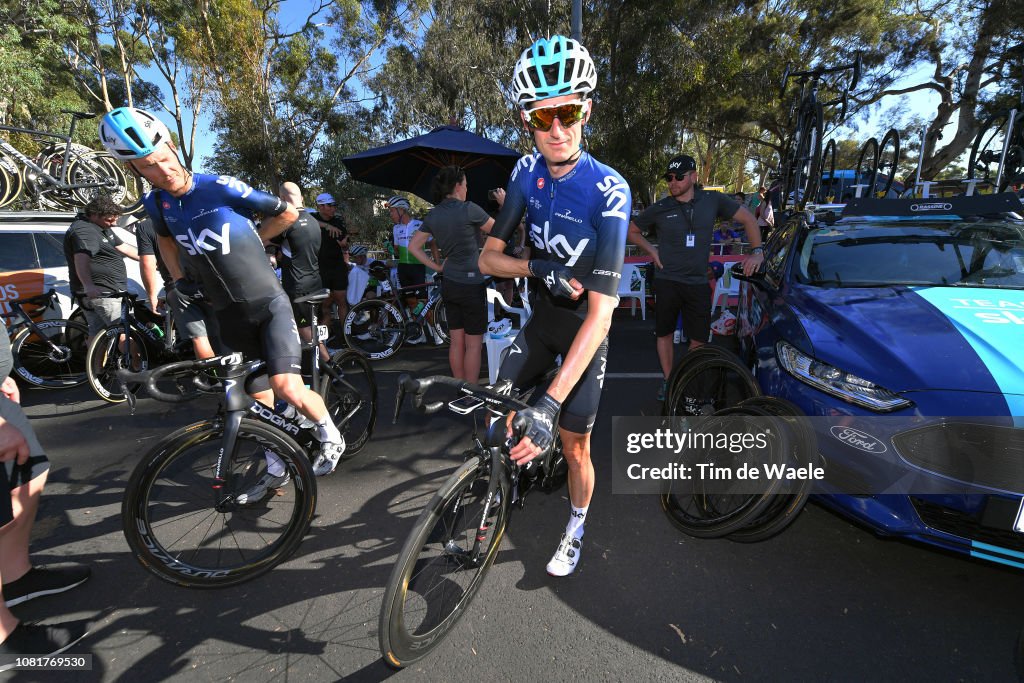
(824, 601)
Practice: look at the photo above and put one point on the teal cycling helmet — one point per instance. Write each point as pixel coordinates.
(552, 67)
(130, 133)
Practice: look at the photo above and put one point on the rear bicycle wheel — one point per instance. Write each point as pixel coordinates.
(51, 356)
(349, 390)
(11, 181)
(867, 167)
(808, 159)
(186, 532)
(437, 573)
(828, 165)
(374, 329)
(105, 357)
(441, 322)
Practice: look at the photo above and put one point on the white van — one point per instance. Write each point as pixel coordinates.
(32, 257)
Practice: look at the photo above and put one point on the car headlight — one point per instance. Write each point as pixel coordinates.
(837, 383)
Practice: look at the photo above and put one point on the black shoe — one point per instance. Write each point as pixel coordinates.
(39, 640)
(39, 581)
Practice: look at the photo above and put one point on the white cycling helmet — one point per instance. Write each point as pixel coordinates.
(397, 202)
(130, 133)
(552, 67)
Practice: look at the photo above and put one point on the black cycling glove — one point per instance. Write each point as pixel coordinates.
(188, 288)
(555, 276)
(538, 422)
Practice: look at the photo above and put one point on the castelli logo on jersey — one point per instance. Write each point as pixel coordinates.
(167, 205)
(540, 183)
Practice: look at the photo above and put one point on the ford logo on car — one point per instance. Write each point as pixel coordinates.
(858, 439)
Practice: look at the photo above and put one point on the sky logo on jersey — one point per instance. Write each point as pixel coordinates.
(235, 184)
(527, 162)
(193, 243)
(616, 196)
(557, 245)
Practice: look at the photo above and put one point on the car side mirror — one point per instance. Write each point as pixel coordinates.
(757, 279)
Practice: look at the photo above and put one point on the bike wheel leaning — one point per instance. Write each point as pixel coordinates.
(53, 355)
(710, 508)
(707, 380)
(374, 329)
(349, 390)
(189, 533)
(888, 160)
(438, 573)
(105, 357)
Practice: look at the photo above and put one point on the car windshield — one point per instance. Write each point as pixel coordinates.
(959, 254)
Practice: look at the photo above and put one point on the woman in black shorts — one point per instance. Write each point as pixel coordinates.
(455, 224)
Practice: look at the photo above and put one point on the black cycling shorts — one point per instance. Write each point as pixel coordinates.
(334, 278)
(693, 301)
(13, 475)
(193, 317)
(268, 333)
(410, 274)
(550, 333)
(466, 306)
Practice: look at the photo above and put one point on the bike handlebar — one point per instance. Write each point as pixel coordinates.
(149, 378)
(855, 65)
(418, 387)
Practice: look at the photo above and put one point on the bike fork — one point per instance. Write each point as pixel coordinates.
(232, 422)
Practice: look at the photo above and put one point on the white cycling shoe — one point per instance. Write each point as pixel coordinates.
(566, 556)
(330, 455)
(262, 487)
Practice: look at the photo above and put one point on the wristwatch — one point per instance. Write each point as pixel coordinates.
(757, 250)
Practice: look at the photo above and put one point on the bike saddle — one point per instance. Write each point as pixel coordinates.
(80, 115)
(315, 297)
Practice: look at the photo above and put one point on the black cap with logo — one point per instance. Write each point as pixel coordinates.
(681, 164)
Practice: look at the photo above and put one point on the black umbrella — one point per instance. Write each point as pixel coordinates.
(411, 165)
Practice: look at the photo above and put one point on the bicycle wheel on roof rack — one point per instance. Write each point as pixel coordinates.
(806, 170)
(706, 381)
(888, 160)
(867, 168)
(987, 150)
(712, 507)
(828, 165)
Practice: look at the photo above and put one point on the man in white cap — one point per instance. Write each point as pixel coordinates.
(333, 242)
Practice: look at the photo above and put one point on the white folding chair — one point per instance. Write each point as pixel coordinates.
(494, 296)
(634, 286)
(720, 299)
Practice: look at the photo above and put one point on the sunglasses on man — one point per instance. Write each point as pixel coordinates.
(328, 204)
(542, 118)
(670, 177)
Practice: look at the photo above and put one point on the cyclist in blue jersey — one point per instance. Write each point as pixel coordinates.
(209, 218)
(577, 214)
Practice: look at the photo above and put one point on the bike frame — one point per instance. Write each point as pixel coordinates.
(60, 183)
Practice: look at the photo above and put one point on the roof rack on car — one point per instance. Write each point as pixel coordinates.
(36, 215)
(976, 205)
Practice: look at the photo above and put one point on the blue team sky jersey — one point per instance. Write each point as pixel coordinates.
(212, 224)
(579, 220)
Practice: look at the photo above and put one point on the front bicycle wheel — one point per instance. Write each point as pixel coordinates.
(11, 181)
(349, 390)
(374, 328)
(444, 561)
(107, 355)
(187, 530)
(51, 354)
(987, 150)
(808, 159)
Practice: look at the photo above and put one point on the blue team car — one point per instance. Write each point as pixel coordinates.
(900, 324)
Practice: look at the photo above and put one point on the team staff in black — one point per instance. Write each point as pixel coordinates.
(95, 257)
(455, 225)
(333, 243)
(193, 317)
(685, 223)
(300, 267)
